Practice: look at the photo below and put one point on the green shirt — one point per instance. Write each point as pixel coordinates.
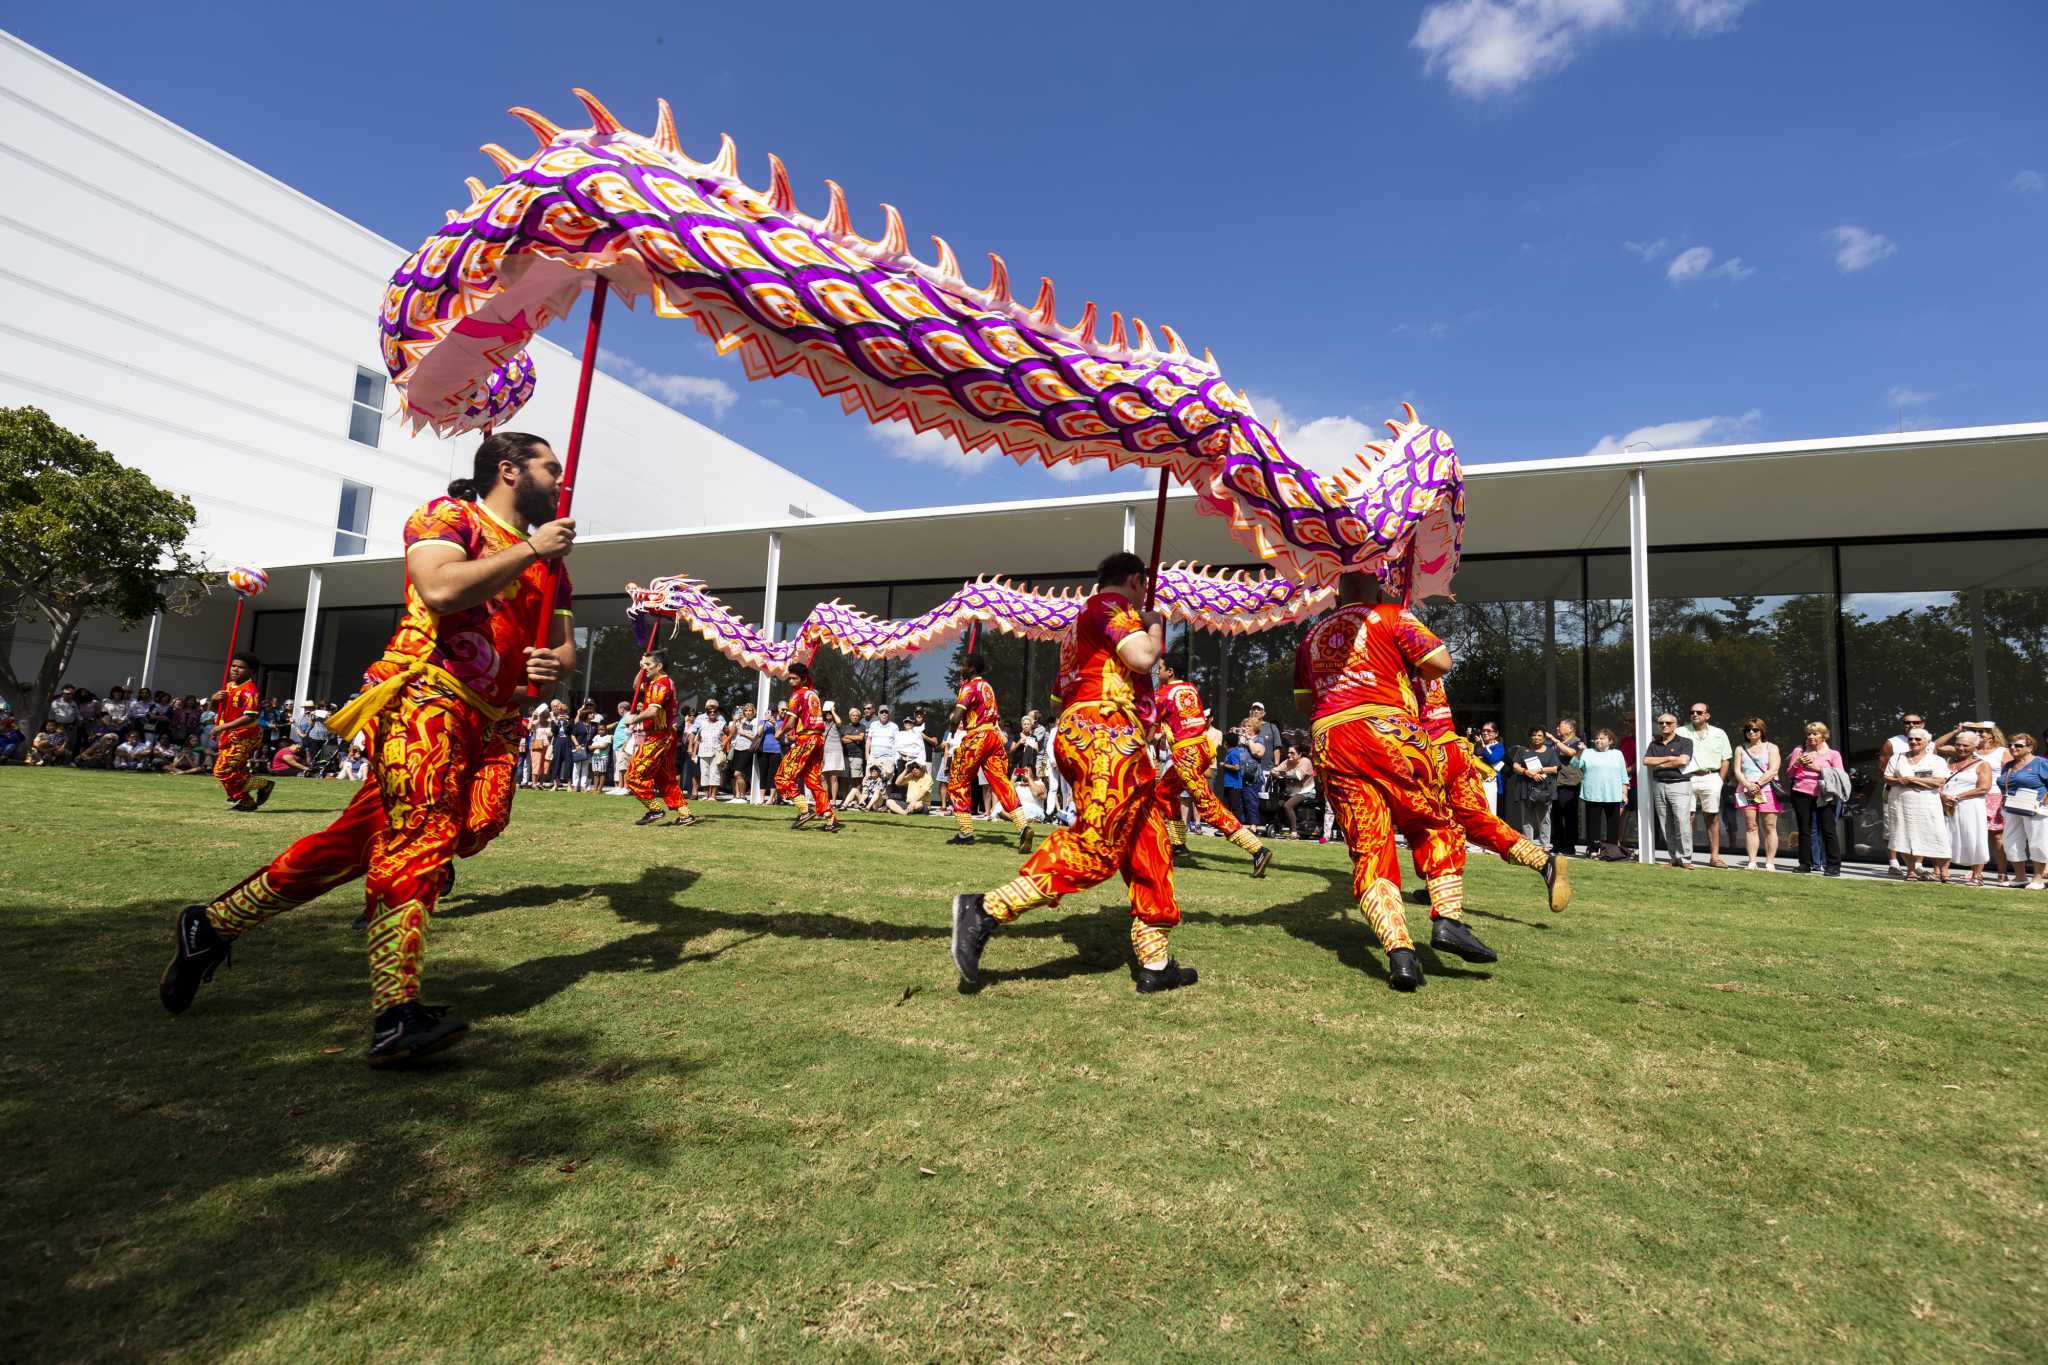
(1710, 748)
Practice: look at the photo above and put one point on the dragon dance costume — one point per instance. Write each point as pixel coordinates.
(238, 743)
(803, 758)
(651, 772)
(1467, 800)
(442, 729)
(1376, 765)
(980, 752)
(1100, 745)
(1186, 722)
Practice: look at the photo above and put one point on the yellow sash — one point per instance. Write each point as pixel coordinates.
(354, 717)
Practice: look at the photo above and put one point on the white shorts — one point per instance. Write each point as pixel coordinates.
(2026, 837)
(707, 771)
(1706, 793)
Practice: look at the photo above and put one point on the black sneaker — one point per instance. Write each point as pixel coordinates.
(680, 821)
(1419, 896)
(1557, 883)
(262, 792)
(648, 817)
(247, 803)
(1171, 977)
(1452, 936)
(1259, 861)
(972, 926)
(1026, 837)
(803, 817)
(1404, 973)
(200, 952)
(830, 827)
(411, 1030)
(965, 840)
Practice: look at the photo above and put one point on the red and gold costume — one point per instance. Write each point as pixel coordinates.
(238, 743)
(651, 771)
(1101, 749)
(1462, 792)
(1186, 722)
(980, 751)
(803, 754)
(1375, 764)
(441, 737)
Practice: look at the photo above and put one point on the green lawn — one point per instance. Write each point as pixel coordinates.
(722, 1101)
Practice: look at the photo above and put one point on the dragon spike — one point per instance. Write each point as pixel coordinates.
(1042, 311)
(601, 120)
(998, 290)
(665, 136)
(544, 128)
(1087, 324)
(837, 221)
(948, 264)
(780, 197)
(507, 163)
(477, 188)
(727, 166)
(1141, 340)
(1116, 330)
(895, 241)
(1173, 341)
(1208, 357)
(1409, 408)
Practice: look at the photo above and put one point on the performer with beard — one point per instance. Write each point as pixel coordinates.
(1352, 675)
(651, 772)
(803, 755)
(1105, 691)
(438, 708)
(980, 751)
(1186, 723)
(237, 733)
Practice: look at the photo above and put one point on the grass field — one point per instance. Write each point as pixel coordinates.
(722, 1101)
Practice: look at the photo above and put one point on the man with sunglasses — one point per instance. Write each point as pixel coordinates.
(1712, 755)
(1666, 758)
(1909, 721)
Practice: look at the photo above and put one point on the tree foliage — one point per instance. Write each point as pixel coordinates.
(81, 536)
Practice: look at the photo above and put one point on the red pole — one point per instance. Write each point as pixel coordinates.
(1158, 540)
(569, 461)
(234, 637)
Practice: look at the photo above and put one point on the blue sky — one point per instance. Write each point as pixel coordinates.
(1554, 225)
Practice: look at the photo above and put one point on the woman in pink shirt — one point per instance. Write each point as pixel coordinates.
(1817, 813)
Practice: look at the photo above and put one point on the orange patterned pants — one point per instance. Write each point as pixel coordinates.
(440, 787)
(1117, 826)
(651, 773)
(803, 768)
(1468, 802)
(980, 751)
(1379, 774)
(231, 765)
(1192, 760)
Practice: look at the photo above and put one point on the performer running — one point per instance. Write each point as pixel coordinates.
(237, 732)
(803, 755)
(980, 751)
(1376, 768)
(1105, 688)
(437, 709)
(651, 772)
(1467, 801)
(1186, 723)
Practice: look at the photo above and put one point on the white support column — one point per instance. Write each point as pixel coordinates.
(770, 582)
(1980, 654)
(1639, 622)
(156, 633)
(1130, 530)
(302, 681)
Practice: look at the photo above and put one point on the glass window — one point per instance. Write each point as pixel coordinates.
(366, 411)
(352, 519)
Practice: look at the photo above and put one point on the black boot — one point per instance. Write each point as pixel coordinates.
(964, 840)
(1452, 936)
(1259, 861)
(1419, 896)
(648, 817)
(972, 926)
(1404, 973)
(1026, 837)
(411, 1030)
(264, 787)
(1170, 977)
(199, 953)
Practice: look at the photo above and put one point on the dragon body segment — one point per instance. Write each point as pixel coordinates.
(1227, 603)
(889, 335)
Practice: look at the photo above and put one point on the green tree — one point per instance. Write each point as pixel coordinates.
(81, 536)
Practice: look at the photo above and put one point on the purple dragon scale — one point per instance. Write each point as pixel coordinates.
(892, 337)
(1227, 603)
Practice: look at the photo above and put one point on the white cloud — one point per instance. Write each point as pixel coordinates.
(1733, 270)
(930, 447)
(1435, 331)
(1649, 251)
(1858, 248)
(1493, 47)
(2028, 182)
(1903, 397)
(1324, 444)
(676, 390)
(1697, 263)
(1700, 431)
